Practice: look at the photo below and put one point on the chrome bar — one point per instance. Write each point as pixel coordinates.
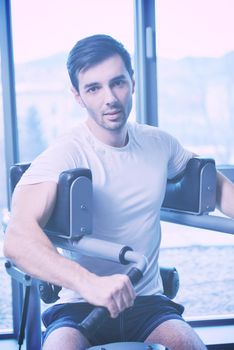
(207, 222)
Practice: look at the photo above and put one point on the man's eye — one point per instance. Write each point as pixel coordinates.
(92, 89)
(119, 83)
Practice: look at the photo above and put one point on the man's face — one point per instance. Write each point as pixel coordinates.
(105, 90)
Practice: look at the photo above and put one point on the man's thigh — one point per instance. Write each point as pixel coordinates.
(176, 335)
(134, 324)
(65, 338)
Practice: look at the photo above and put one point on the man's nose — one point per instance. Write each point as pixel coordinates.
(109, 96)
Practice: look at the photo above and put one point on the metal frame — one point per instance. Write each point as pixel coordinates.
(10, 126)
(145, 61)
(208, 222)
(8, 88)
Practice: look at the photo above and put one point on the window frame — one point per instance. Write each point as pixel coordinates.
(10, 132)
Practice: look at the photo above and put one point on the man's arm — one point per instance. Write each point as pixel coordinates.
(225, 195)
(30, 249)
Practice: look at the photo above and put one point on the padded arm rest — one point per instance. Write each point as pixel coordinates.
(195, 191)
(72, 215)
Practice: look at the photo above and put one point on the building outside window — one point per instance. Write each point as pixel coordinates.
(46, 107)
(195, 49)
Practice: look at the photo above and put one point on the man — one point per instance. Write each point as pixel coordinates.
(130, 164)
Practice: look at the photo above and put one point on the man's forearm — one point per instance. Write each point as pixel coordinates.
(36, 255)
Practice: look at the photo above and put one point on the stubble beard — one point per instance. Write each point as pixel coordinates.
(114, 125)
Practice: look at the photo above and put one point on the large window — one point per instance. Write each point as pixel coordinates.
(43, 34)
(195, 99)
(195, 74)
(195, 48)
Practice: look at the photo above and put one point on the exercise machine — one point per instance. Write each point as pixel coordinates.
(70, 228)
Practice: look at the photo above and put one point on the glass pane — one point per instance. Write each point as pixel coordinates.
(195, 48)
(204, 260)
(5, 285)
(45, 104)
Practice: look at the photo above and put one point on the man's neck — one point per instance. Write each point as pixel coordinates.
(114, 138)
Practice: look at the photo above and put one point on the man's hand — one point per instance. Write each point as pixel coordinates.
(114, 292)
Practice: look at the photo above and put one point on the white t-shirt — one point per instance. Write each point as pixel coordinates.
(128, 190)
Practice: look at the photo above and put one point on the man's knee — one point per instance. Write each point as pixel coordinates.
(176, 335)
(65, 338)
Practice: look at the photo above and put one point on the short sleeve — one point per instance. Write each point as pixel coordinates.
(51, 163)
(178, 159)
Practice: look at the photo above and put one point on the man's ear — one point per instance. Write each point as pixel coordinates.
(77, 96)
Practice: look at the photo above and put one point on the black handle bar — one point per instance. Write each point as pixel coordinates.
(93, 321)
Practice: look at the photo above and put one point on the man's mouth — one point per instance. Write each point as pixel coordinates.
(113, 112)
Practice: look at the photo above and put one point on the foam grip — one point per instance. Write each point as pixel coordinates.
(93, 321)
(134, 275)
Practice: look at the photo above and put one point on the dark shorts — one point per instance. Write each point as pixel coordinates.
(134, 324)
